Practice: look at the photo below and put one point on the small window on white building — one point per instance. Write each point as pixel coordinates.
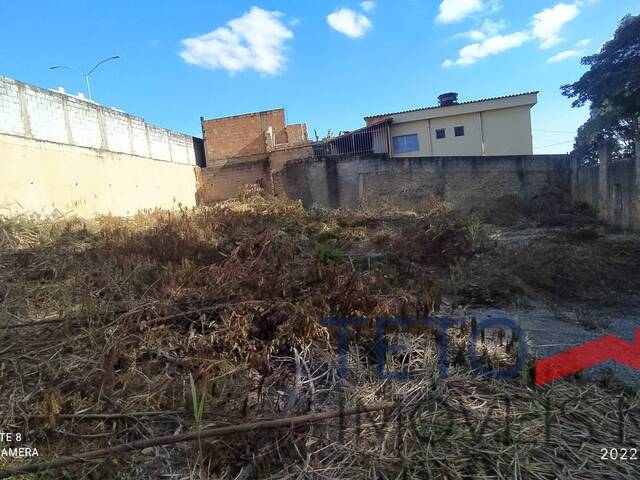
(406, 143)
(441, 133)
(459, 131)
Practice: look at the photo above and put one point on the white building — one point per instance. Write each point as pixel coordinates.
(493, 126)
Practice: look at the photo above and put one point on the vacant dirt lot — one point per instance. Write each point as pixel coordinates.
(121, 330)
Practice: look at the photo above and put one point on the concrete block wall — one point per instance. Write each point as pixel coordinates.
(84, 123)
(63, 154)
(46, 115)
(611, 187)
(139, 138)
(48, 178)
(622, 195)
(351, 181)
(586, 188)
(118, 138)
(159, 143)
(279, 156)
(41, 114)
(11, 114)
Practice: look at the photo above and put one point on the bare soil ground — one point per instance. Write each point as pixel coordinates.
(120, 330)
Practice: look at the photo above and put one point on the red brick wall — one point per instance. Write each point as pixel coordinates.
(223, 182)
(242, 135)
(238, 153)
(217, 183)
(297, 133)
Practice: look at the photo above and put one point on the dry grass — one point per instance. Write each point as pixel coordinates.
(126, 310)
(464, 427)
(551, 207)
(563, 267)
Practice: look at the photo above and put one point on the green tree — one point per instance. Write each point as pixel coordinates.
(612, 86)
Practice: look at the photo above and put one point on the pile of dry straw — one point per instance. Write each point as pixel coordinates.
(121, 330)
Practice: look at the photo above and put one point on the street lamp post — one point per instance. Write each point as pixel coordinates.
(86, 75)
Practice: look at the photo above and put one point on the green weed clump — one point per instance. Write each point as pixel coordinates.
(474, 230)
(326, 253)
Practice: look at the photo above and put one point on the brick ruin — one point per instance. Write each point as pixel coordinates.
(248, 149)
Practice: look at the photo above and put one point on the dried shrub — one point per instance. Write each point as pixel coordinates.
(234, 294)
(551, 207)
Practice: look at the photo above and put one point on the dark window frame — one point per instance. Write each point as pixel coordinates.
(441, 133)
(459, 131)
(403, 139)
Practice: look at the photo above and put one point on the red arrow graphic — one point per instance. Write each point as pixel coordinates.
(588, 355)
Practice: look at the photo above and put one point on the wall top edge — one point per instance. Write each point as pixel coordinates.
(68, 97)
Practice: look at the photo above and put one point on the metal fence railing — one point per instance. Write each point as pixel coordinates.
(369, 140)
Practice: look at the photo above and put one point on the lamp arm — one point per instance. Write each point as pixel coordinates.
(53, 67)
(101, 62)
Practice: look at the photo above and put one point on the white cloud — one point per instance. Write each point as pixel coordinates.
(491, 46)
(548, 23)
(368, 6)
(571, 53)
(488, 29)
(475, 35)
(494, 6)
(256, 40)
(351, 23)
(564, 55)
(545, 27)
(492, 28)
(456, 10)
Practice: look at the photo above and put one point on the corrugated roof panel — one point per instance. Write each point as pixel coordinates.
(447, 106)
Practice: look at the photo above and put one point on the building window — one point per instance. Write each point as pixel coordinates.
(406, 143)
(459, 131)
(441, 133)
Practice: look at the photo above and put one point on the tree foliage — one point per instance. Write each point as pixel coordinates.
(612, 87)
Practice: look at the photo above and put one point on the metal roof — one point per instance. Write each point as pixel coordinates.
(455, 104)
(351, 132)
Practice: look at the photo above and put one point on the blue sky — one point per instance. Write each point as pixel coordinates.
(328, 62)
